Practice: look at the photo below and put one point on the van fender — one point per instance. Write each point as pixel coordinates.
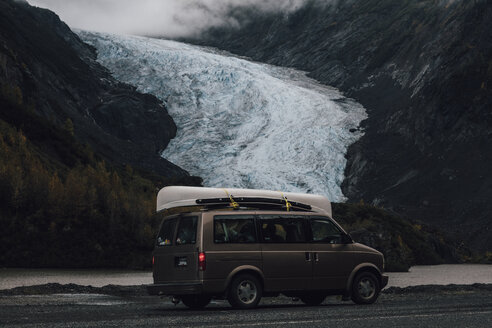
(243, 268)
(357, 269)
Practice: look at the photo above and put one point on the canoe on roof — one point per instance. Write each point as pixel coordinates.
(182, 196)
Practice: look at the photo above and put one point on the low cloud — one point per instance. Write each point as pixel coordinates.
(169, 18)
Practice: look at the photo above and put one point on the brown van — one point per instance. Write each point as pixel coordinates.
(242, 244)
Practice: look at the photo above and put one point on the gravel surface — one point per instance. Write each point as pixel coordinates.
(55, 305)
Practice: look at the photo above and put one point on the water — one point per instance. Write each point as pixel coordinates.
(445, 274)
(240, 124)
(10, 278)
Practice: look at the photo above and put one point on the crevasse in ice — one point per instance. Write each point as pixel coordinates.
(240, 123)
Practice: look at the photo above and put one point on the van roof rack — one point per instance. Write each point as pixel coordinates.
(183, 196)
(255, 202)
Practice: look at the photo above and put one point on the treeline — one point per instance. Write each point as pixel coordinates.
(61, 205)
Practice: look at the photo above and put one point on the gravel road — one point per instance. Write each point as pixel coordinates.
(112, 306)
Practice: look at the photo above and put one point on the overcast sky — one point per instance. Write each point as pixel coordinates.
(171, 18)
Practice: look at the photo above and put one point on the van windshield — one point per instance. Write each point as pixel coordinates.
(324, 231)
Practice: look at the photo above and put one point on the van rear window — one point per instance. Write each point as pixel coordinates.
(186, 230)
(166, 233)
(234, 229)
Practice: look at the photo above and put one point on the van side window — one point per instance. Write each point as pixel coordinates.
(234, 229)
(186, 230)
(325, 231)
(166, 233)
(282, 229)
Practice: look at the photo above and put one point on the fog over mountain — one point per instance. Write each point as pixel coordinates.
(169, 18)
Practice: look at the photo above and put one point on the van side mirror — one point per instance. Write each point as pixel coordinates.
(346, 239)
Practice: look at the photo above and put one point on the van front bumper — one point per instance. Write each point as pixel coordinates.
(175, 289)
(384, 281)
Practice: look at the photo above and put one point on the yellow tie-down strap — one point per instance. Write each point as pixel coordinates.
(233, 203)
(287, 204)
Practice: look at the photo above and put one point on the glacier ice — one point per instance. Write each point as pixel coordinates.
(240, 123)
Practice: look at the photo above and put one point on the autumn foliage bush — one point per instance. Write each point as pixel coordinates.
(61, 206)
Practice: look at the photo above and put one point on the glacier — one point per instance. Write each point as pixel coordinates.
(240, 123)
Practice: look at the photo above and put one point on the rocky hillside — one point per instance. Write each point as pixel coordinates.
(50, 69)
(403, 243)
(423, 70)
(79, 151)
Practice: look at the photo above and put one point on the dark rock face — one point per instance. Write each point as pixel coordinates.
(423, 71)
(50, 68)
(402, 242)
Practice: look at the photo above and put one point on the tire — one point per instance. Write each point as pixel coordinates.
(196, 301)
(245, 292)
(313, 300)
(365, 288)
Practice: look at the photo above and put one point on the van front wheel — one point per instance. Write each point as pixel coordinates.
(365, 288)
(245, 292)
(196, 301)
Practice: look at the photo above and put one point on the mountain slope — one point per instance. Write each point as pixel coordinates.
(51, 69)
(62, 205)
(423, 72)
(79, 152)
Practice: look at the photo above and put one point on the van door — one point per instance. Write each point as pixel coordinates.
(333, 260)
(287, 262)
(176, 255)
(230, 241)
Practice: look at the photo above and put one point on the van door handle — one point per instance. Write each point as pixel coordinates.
(308, 256)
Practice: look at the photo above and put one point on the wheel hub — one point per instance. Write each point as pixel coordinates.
(246, 292)
(367, 289)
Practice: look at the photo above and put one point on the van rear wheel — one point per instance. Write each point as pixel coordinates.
(365, 288)
(196, 301)
(245, 292)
